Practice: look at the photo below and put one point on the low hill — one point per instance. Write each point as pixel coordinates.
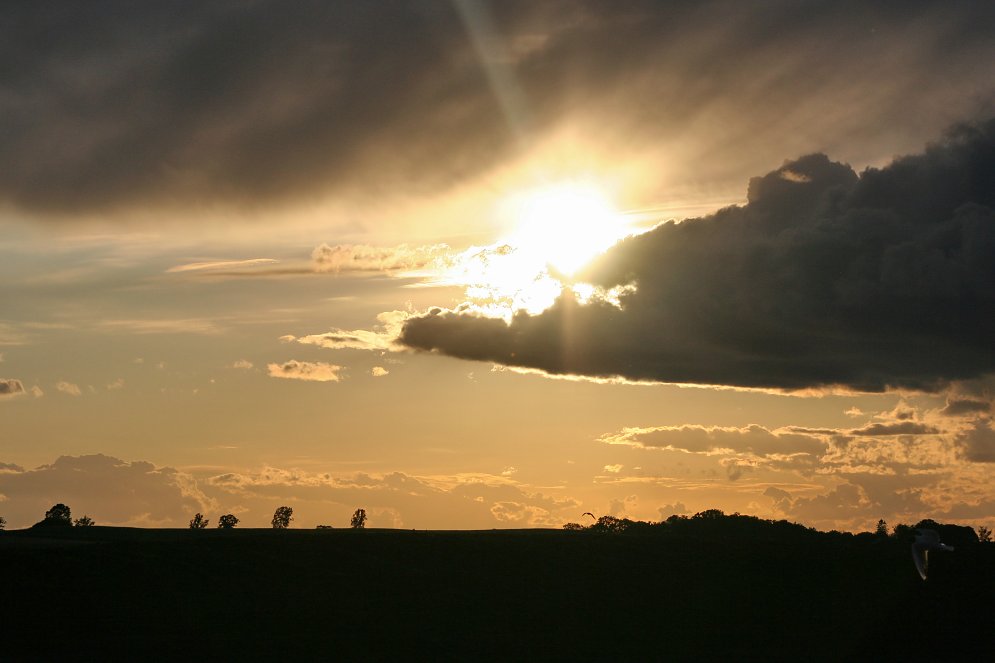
(714, 589)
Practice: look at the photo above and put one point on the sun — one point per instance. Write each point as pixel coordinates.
(565, 225)
(555, 230)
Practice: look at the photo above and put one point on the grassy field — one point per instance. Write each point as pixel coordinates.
(701, 593)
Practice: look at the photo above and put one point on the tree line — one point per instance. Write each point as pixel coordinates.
(282, 518)
(60, 515)
(718, 522)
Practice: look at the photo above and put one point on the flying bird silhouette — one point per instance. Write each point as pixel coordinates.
(926, 540)
(588, 513)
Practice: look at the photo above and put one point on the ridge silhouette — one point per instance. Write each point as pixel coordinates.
(705, 587)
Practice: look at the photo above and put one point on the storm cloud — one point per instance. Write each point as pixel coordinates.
(824, 278)
(116, 104)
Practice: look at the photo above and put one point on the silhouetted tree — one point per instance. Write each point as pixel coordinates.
(227, 521)
(574, 527)
(358, 519)
(59, 515)
(882, 528)
(282, 517)
(85, 521)
(324, 527)
(198, 521)
(611, 524)
(953, 535)
(3, 522)
(903, 532)
(984, 534)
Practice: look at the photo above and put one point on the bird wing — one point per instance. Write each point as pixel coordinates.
(920, 556)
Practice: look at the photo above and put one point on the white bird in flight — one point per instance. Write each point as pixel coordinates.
(926, 540)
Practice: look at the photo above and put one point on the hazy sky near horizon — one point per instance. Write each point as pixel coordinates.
(479, 264)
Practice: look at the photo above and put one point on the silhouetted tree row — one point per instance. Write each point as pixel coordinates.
(282, 518)
(954, 535)
(226, 521)
(60, 515)
(713, 522)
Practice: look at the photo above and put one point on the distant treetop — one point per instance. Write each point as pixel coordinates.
(282, 517)
(59, 513)
(58, 516)
(227, 521)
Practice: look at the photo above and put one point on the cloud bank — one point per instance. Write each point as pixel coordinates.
(136, 105)
(137, 493)
(110, 490)
(824, 278)
(903, 465)
(396, 499)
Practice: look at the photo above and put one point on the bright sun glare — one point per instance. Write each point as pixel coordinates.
(565, 225)
(557, 229)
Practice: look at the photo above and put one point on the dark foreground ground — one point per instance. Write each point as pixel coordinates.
(112, 593)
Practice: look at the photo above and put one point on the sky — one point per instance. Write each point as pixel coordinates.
(472, 264)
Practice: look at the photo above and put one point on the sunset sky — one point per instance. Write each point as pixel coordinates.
(472, 264)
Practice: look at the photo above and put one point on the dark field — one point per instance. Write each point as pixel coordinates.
(711, 592)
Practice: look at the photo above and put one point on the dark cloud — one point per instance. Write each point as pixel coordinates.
(782, 498)
(965, 510)
(858, 503)
(978, 442)
(10, 387)
(675, 509)
(965, 406)
(897, 428)
(115, 104)
(751, 439)
(823, 278)
(845, 501)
